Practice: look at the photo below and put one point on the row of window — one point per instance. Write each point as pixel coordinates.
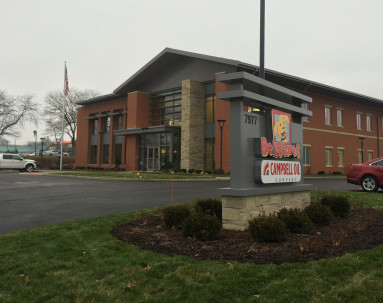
(166, 108)
(340, 160)
(339, 118)
(105, 130)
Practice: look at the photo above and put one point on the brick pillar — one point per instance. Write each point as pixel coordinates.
(193, 125)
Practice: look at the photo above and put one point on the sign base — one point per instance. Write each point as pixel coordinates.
(238, 210)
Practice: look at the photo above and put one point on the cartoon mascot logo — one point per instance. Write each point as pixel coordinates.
(281, 126)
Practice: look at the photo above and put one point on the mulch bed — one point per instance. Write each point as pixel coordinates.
(362, 230)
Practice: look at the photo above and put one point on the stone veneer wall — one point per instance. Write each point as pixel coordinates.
(193, 125)
(237, 211)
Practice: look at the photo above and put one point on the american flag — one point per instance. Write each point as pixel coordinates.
(66, 85)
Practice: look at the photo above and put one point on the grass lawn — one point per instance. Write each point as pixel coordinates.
(80, 262)
(131, 175)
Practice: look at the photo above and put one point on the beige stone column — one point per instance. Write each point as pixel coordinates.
(193, 125)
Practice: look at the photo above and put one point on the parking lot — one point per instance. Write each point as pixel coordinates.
(32, 200)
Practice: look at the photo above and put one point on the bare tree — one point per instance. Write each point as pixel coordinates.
(15, 111)
(54, 109)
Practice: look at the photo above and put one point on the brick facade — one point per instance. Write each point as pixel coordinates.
(317, 136)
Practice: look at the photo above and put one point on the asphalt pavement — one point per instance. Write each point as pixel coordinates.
(33, 200)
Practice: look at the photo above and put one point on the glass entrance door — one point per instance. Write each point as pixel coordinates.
(152, 158)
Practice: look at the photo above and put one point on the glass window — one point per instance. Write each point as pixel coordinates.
(327, 115)
(306, 155)
(358, 121)
(165, 108)
(209, 154)
(340, 157)
(93, 124)
(117, 154)
(378, 163)
(93, 154)
(360, 156)
(329, 156)
(368, 123)
(118, 119)
(210, 102)
(105, 154)
(370, 155)
(105, 122)
(305, 106)
(339, 117)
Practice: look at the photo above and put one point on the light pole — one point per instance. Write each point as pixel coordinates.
(35, 134)
(144, 130)
(361, 145)
(42, 150)
(221, 123)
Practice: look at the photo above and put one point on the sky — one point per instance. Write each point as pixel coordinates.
(334, 42)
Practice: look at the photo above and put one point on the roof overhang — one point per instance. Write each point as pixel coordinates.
(148, 130)
(171, 57)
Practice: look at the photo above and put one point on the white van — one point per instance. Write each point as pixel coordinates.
(12, 161)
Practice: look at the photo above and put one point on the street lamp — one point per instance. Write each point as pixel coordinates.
(144, 130)
(361, 145)
(221, 123)
(42, 150)
(35, 135)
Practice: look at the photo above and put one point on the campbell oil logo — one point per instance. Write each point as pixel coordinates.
(277, 171)
(281, 126)
(266, 169)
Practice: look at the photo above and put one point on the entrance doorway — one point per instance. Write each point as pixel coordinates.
(152, 158)
(159, 150)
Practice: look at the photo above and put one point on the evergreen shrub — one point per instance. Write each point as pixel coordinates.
(296, 220)
(212, 207)
(175, 215)
(339, 205)
(319, 213)
(267, 229)
(201, 226)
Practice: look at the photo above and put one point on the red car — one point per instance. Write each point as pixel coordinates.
(369, 175)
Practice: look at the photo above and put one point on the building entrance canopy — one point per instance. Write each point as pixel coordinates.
(158, 147)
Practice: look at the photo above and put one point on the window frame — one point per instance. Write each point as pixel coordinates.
(340, 151)
(339, 117)
(359, 121)
(329, 157)
(327, 115)
(306, 150)
(369, 122)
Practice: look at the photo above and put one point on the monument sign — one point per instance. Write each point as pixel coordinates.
(265, 149)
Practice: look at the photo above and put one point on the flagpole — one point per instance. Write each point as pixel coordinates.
(66, 89)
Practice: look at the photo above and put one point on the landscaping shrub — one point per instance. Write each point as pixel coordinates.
(190, 171)
(267, 229)
(296, 220)
(339, 205)
(201, 226)
(319, 213)
(212, 207)
(175, 215)
(208, 171)
(198, 171)
(321, 172)
(182, 170)
(218, 171)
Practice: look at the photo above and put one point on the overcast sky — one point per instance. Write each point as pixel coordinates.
(334, 42)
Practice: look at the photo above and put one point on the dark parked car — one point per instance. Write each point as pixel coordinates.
(369, 175)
